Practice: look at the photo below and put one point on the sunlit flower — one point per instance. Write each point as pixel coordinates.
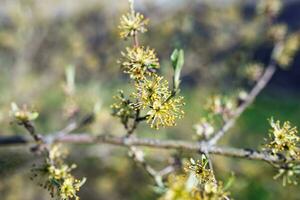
(70, 187)
(164, 112)
(150, 89)
(284, 139)
(139, 61)
(131, 24)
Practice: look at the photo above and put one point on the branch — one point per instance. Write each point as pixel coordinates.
(260, 85)
(152, 143)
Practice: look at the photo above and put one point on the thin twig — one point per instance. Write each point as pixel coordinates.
(260, 85)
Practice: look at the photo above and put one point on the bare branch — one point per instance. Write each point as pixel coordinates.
(260, 85)
(154, 143)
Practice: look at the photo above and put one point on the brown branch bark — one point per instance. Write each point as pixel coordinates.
(152, 143)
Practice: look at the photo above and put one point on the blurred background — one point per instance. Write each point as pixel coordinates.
(39, 39)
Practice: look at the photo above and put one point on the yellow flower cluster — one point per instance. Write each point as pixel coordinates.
(164, 112)
(131, 24)
(269, 7)
(277, 32)
(70, 187)
(177, 189)
(286, 52)
(57, 177)
(22, 115)
(139, 62)
(152, 95)
(284, 139)
(122, 108)
(199, 184)
(202, 171)
(254, 71)
(148, 90)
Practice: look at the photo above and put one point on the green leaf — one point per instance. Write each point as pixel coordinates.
(33, 116)
(177, 59)
(174, 57)
(70, 77)
(229, 182)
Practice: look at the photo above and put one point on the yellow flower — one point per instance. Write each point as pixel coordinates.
(70, 187)
(148, 90)
(131, 24)
(22, 115)
(269, 7)
(201, 170)
(122, 108)
(284, 139)
(182, 187)
(254, 71)
(56, 177)
(287, 50)
(177, 189)
(164, 112)
(277, 32)
(139, 61)
(60, 172)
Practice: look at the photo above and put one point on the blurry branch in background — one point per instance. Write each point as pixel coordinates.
(259, 86)
(270, 10)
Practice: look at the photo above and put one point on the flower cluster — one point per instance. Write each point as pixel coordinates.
(288, 173)
(269, 7)
(132, 24)
(139, 62)
(199, 184)
(204, 129)
(122, 108)
(220, 105)
(152, 96)
(164, 112)
(277, 32)
(287, 50)
(253, 71)
(22, 115)
(284, 139)
(55, 176)
(201, 170)
(151, 89)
